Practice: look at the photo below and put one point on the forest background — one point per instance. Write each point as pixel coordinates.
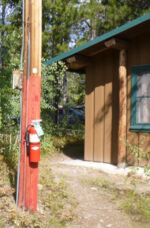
(65, 24)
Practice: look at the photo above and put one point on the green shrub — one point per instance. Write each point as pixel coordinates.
(47, 146)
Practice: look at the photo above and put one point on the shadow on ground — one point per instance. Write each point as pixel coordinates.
(74, 149)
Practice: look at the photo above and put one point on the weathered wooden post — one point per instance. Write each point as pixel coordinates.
(122, 108)
(28, 178)
(122, 46)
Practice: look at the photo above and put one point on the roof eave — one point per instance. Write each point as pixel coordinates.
(99, 39)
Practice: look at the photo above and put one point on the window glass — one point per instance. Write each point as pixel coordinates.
(143, 84)
(143, 97)
(143, 110)
(140, 99)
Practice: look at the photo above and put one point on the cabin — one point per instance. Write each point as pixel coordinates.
(117, 102)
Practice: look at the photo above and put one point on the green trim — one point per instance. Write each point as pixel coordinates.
(143, 96)
(132, 129)
(140, 128)
(137, 127)
(141, 68)
(133, 96)
(101, 38)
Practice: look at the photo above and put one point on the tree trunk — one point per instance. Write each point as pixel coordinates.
(56, 99)
(64, 93)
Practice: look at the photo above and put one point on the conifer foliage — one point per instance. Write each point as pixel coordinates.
(65, 24)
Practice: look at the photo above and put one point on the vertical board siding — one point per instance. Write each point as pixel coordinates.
(99, 110)
(138, 54)
(89, 115)
(102, 103)
(102, 109)
(132, 59)
(144, 53)
(115, 109)
(108, 108)
(145, 146)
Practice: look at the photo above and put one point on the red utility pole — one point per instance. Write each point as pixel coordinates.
(28, 174)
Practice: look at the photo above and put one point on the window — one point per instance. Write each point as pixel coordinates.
(140, 99)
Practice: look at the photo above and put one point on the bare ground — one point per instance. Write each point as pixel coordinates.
(96, 206)
(77, 197)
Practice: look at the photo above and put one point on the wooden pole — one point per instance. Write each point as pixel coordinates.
(21, 197)
(122, 108)
(28, 181)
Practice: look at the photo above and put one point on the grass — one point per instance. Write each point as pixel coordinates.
(70, 146)
(47, 146)
(136, 206)
(64, 144)
(58, 204)
(55, 205)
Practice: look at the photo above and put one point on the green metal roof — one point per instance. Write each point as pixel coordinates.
(101, 38)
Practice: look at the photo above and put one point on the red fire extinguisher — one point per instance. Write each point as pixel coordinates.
(33, 144)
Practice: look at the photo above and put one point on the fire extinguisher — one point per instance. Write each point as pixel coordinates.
(33, 144)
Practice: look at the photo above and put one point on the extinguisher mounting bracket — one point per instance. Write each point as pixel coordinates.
(36, 124)
(35, 121)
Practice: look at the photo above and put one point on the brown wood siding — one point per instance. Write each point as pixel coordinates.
(89, 115)
(99, 110)
(102, 106)
(115, 109)
(138, 54)
(108, 107)
(102, 77)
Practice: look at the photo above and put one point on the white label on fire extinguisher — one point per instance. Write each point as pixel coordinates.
(34, 138)
(35, 148)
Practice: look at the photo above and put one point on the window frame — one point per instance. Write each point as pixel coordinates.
(137, 127)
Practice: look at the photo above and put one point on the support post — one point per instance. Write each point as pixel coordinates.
(122, 108)
(28, 179)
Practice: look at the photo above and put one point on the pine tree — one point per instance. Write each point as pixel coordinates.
(120, 12)
(59, 17)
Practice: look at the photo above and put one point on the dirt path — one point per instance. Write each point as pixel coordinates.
(95, 206)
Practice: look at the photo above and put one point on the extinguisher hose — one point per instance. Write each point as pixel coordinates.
(27, 139)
